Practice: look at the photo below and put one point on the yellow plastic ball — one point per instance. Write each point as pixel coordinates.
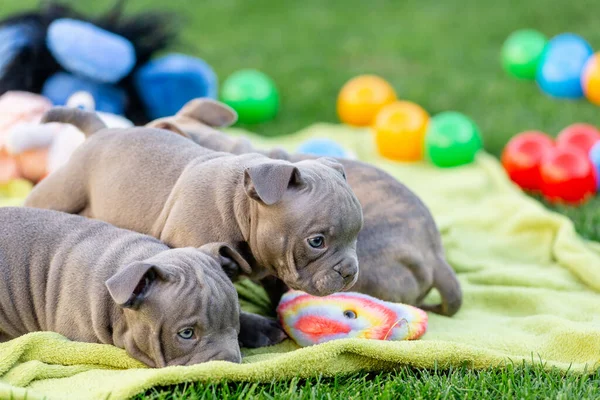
(400, 130)
(362, 97)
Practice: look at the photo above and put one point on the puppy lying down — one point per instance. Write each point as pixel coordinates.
(296, 221)
(93, 282)
(399, 247)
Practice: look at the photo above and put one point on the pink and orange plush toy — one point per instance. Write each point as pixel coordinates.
(310, 320)
(29, 151)
(20, 109)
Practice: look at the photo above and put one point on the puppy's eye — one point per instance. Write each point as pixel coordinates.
(186, 333)
(316, 242)
(350, 314)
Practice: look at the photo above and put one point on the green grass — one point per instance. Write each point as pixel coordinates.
(508, 383)
(443, 55)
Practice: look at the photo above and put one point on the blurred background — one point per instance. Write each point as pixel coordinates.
(442, 55)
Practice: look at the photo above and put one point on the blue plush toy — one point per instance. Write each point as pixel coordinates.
(57, 52)
(108, 98)
(84, 49)
(14, 38)
(169, 82)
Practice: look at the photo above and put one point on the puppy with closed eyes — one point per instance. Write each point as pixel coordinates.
(399, 248)
(93, 282)
(295, 221)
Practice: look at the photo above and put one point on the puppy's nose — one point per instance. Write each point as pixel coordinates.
(346, 270)
(228, 355)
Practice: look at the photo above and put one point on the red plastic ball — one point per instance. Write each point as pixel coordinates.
(567, 175)
(581, 136)
(522, 156)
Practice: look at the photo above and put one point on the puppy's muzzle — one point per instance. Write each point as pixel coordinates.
(230, 354)
(233, 356)
(348, 271)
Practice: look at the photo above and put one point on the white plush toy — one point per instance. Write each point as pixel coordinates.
(59, 140)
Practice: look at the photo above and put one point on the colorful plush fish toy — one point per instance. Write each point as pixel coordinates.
(312, 320)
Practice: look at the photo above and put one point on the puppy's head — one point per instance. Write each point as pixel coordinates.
(179, 307)
(306, 224)
(198, 119)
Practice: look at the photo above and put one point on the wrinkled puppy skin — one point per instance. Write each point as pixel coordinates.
(93, 282)
(399, 248)
(296, 221)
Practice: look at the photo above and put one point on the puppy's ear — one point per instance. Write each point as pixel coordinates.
(169, 126)
(268, 182)
(210, 112)
(231, 261)
(333, 163)
(130, 285)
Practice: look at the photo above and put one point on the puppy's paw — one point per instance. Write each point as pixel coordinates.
(258, 331)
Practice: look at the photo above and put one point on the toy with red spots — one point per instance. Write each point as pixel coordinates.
(312, 320)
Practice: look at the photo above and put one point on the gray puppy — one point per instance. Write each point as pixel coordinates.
(93, 282)
(298, 221)
(399, 248)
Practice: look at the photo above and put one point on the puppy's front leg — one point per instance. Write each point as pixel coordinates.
(258, 331)
(275, 289)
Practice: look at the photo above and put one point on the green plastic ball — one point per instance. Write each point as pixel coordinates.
(452, 139)
(522, 52)
(252, 94)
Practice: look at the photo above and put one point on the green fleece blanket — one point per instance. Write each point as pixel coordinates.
(530, 294)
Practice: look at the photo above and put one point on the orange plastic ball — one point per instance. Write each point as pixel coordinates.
(590, 79)
(362, 97)
(400, 130)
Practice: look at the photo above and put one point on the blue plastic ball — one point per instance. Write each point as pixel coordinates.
(323, 148)
(559, 72)
(594, 156)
